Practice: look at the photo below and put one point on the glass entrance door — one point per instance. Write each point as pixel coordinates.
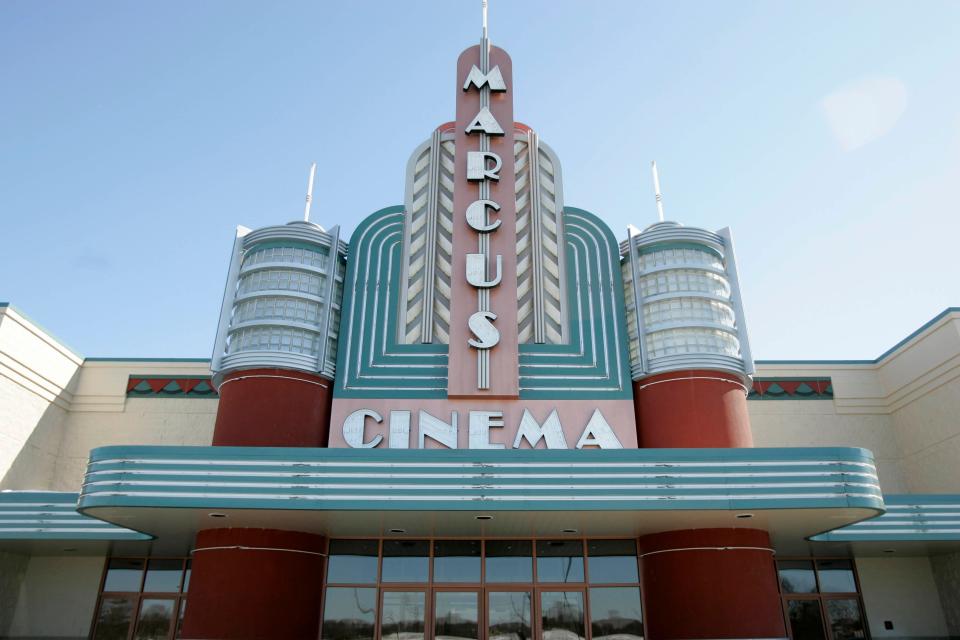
(403, 615)
(509, 615)
(456, 615)
(562, 615)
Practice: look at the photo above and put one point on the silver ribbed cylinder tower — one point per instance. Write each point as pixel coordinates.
(684, 281)
(281, 305)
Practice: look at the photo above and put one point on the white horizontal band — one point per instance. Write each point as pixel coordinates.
(717, 378)
(240, 547)
(319, 384)
(651, 553)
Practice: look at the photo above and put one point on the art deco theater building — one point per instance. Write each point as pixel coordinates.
(484, 415)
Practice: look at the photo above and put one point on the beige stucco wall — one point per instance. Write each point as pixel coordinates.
(928, 436)
(903, 591)
(36, 380)
(57, 597)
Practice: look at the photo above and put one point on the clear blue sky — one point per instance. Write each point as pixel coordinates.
(134, 137)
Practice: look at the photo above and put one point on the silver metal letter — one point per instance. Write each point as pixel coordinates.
(481, 323)
(353, 429)
(480, 424)
(484, 122)
(445, 434)
(399, 430)
(477, 165)
(477, 271)
(598, 433)
(493, 78)
(532, 432)
(477, 215)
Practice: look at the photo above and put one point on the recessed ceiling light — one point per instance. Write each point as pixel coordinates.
(217, 515)
(483, 517)
(568, 531)
(744, 516)
(397, 530)
(889, 550)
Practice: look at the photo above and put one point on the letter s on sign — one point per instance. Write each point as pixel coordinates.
(481, 323)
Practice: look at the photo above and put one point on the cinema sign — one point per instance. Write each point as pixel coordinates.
(485, 429)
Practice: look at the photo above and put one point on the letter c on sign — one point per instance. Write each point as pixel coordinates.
(353, 429)
(477, 215)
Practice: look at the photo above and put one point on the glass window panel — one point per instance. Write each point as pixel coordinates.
(456, 561)
(124, 574)
(613, 561)
(509, 561)
(456, 616)
(163, 576)
(113, 619)
(845, 619)
(559, 561)
(183, 612)
(805, 619)
(405, 560)
(155, 620)
(402, 615)
(186, 575)
(561, 615)
(796, 576)
(509, 615)
(352, 561)
(349, 613)
(615, 613)
(836, 576)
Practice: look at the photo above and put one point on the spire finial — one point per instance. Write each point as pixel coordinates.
(306, 208)
(484, 4)
(656, 189)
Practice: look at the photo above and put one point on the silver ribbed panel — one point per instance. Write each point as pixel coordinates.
(428, 243)
(541, 279)
(685, 284)
(282, 301)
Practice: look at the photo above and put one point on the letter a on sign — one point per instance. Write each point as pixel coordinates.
(484, 122)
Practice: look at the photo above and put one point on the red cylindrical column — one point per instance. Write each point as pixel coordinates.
(696, 408)
(254, 584)
(273, 408)
(710, 583)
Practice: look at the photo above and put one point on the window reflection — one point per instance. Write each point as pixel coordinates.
(402, 616)
(561, 615)
(456, 561)
(615, 613)
(155, 619)
(836, 576)
(796, 576)
(113, 619)
(352, 561)
(845, 620)
(349, 613)
(405, 561)
(163, 576)
(805, 620)
(123, 574)
(509, 561)
(509, 615)
(613, 561)
(559, 561)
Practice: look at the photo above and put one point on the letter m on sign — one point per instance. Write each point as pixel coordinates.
(494, 78)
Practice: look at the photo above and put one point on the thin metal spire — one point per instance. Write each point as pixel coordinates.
(656, 189)
(306, 208)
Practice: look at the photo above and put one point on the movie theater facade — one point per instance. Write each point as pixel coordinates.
(482, 416)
